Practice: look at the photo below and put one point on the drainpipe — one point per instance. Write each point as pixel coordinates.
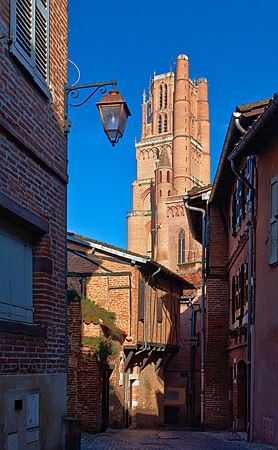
(249, 280)
(203, 308)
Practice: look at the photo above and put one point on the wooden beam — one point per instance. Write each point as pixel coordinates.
(146, 359)
(129, 357)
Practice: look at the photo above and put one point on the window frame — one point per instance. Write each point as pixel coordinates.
(19, 240)
(273, 222)
(181, 247)
(29, 61)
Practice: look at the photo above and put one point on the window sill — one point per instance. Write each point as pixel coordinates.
(11, 327)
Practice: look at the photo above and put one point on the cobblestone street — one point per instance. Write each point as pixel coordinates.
(137, 439)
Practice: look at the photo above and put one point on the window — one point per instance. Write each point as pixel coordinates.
(160, 96)
(239, 293)
(168, 176)
(249, 176)
(148, 113)
(273, 225)
(16, 272)
(165, 124)
(30, 38)
(165, 95)
(159, 124)
(238, 206)
(181, 247)
(160, 176)
(141, 300)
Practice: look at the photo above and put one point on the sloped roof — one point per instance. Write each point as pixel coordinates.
(251, 114)
(147, 264)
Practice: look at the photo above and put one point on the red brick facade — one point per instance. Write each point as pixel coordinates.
(145, 298)
(172, 156)
(241, 278)
(33, 179)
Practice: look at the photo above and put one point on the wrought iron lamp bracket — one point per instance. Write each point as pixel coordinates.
(74, 92)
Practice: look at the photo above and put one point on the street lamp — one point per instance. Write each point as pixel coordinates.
(114, 113)
(113, 110)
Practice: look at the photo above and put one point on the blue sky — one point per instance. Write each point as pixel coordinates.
(232, 44)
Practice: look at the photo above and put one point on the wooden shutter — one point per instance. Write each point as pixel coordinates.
(41, 37)
(233, 300)
(30, 37)
(234, 215)
(16, 270)
(249, 177)
(159, 308)
(141, 300)
(273, 231)
(22, 32)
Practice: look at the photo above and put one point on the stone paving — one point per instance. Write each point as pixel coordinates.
(140, 439)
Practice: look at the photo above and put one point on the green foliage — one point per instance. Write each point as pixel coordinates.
(232, 332)
(92, 313)
(102, 347)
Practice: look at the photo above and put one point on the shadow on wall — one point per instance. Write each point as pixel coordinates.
(182, 377)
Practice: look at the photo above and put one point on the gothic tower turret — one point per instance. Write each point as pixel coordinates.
(172, 157)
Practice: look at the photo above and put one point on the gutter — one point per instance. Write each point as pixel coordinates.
(250, 228)
(271, 109)
(108, 249)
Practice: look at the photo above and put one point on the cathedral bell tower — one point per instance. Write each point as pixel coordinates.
(172, 157)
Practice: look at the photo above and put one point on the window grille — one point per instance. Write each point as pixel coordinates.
(160, 96)
(159, 124)
(165, 123)
(165, 96)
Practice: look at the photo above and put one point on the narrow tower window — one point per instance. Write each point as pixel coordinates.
(160, 96)
(159, 124)
(181, 247)
(165, 95)
(148, 113)
(165, 123)
(168, 176)
(160, 177)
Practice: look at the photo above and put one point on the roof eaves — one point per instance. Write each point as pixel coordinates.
(258, 124)
(107, 249)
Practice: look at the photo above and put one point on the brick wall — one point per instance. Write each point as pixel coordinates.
(217, 314)
(33, 173)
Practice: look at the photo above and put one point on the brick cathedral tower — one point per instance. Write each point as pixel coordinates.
(172, 156)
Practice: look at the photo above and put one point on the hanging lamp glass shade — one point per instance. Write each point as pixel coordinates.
(114, 113)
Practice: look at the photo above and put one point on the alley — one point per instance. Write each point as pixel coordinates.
(139, 439)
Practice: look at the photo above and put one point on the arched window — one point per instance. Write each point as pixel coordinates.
(165, 123)
(168, 176)
(165, 95)
(169, 193)
(160, 193)
(159, 124)
(148, 118)
(160, 96)
(181, 247)
(160, 177)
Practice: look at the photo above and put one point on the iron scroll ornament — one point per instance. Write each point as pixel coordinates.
(74, 93)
